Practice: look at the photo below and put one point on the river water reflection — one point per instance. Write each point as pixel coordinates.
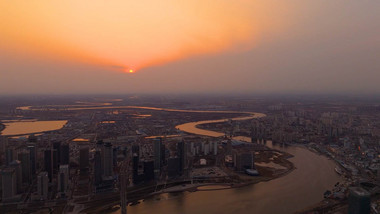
(27, 127)
(303, 187)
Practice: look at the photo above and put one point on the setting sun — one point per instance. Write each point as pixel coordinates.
(157, 37)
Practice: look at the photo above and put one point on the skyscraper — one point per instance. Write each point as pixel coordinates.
(55, 164)
(359, 201)
(98, 167)
(215, 149)
(100, 147)
(33, 156)
(182, 155)
(229, 147)
(174, 165)
(135, 163)
(48, 163)
(136, 149)
(157, 157)
(114, 156)
(57, 147)
(65, 154)
(108, 160)
(9, 157)
(16, 165)
(24, 158)
(9, 185)
(148, 171)
(63, 179)
(244, 161)
(42, 185)
(84, 159)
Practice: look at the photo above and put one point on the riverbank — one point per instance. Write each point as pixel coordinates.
(329, 205)
(269, 159)
(287, 192)
(237, 180)
(137, 196)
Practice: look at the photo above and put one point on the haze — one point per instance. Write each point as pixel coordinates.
(290, 46)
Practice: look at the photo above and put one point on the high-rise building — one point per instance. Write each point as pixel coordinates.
(3, 146)
(206, 148)
(359, 201)
(254, 134)
(55, 164)
(114, 157)
(24, 158)
(125, 151)
(182, 154)
(57, 147)
(108, 160)
(163, 155)
(9, 184)
(48, 165)
(99, 144)
(100, 147)
(192, 148)
(215, 149)
(135, 172)
(33, 161)
(136, 149)
(63, 179)
(42, 185)
(244, 161)
(16, 165)
(148, 171)
(174, 167)
(157, 157)
(229, 147)
(65, 154)
(84, 159)
(135, 163)
(98, 167)
(9, 156)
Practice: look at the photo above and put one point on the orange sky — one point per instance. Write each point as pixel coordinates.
(189, 46)
(127, 34)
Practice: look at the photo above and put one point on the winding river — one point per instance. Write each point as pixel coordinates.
(303, 187)
(33, 126)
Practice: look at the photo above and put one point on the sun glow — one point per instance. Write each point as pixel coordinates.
(128, 70)
(100, 33)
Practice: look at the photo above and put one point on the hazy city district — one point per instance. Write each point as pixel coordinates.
(127, 154)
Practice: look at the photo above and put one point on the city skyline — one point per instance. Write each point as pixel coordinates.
(195, 106)
(239, 47)
(161, 154)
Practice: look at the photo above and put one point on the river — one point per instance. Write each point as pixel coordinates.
(30, 126)
(303, 187)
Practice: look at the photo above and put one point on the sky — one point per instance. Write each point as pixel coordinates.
(197, 46)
